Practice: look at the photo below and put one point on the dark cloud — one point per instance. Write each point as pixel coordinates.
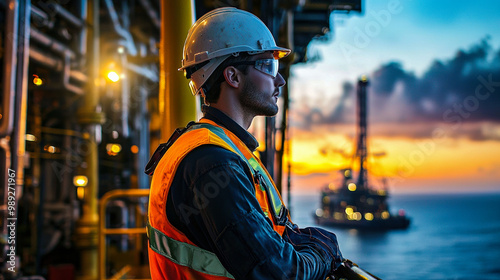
(345, 105)
(387, 76)
(465, 88)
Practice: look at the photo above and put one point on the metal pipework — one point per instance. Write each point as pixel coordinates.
(55, 63)
(151, 13)
(17, 112)
(129, 41)
(143, 71)
(60, 65)
(55, 9)
(9, 72)
(60, 48)
(51, 43)
(66, 75)
(21, 104)
(46, 59)
(41, 18)
(82, 48)
(125, 95)
(143, 155)
(67, 15)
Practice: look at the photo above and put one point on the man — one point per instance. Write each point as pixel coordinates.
(214, 211)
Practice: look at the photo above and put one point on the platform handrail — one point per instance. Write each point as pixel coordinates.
(103, 231)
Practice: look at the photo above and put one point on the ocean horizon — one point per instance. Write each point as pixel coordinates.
(451, 236)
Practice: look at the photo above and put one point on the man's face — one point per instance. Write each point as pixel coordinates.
(260, 91)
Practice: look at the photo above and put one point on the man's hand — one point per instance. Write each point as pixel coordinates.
(320, 240)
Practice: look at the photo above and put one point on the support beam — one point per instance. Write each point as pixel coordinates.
(86, 236)
(177, 105)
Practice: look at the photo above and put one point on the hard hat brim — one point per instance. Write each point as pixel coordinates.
(278, 53)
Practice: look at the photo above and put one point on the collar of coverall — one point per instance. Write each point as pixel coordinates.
(222, 119)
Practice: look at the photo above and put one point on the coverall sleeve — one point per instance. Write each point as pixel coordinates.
(227, 219)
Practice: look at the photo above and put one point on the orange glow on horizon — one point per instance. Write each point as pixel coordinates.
(407, 163)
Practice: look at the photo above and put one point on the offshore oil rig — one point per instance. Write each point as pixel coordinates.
(356, 204)
(89, 90)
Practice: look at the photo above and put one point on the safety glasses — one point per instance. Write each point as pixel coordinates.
(267, 66)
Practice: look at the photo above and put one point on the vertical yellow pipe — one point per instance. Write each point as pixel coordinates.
(177, 105)
(86, 236)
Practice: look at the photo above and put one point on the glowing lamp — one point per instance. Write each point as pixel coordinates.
(319, 212)
(134, 149)
(356, 216)
(347, 173)
(80, 181)
(385, 215)
(113, 149)
(37, 81)
(326, 200)
(51, 149)
(30, 137)
(369, 216)
(113, 76)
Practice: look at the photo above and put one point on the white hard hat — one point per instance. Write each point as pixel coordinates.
(219, 34)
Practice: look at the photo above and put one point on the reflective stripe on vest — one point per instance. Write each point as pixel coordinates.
(271, 190)
(185, 254)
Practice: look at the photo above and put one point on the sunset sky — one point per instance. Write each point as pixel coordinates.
(434, 97)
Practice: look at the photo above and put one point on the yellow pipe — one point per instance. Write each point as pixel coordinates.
(177, 105)
(87, 226)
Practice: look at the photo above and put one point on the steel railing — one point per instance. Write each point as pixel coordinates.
(103, 231)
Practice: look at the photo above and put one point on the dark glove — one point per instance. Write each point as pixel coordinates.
(320, 240)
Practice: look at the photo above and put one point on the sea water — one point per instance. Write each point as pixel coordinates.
(451, 236)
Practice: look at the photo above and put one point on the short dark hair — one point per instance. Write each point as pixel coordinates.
(212, 86)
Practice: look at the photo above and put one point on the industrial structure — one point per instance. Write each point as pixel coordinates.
(357, 204)
(89, 89)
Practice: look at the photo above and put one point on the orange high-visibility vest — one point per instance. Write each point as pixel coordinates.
(171, 254)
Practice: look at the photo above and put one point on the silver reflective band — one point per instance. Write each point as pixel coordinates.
(185, 254)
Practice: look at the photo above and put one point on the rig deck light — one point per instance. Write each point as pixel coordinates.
(80, 181)
(113, 149)
(113, 76)
(37, 81)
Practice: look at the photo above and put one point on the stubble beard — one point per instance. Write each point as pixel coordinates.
(253, 102)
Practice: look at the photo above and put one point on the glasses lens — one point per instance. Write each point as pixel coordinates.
(268, 66)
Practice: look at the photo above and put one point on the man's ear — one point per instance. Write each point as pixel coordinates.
(232, 76)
